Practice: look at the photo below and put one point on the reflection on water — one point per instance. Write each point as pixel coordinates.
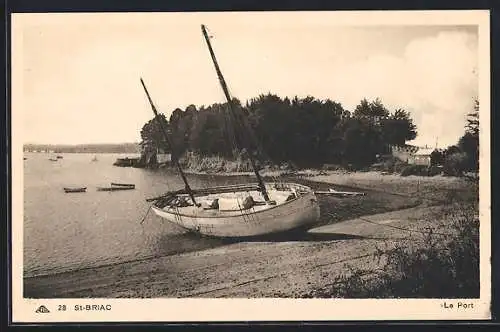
(65, 231)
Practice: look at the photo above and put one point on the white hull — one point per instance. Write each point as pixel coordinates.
(285, 215)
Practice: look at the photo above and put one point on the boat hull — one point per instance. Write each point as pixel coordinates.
(114, 188)
(300, 212)
(75, 190)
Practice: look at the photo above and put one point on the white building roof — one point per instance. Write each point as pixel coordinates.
(424, 152)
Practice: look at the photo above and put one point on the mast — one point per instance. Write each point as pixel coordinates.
(167, 139)
(230, 103)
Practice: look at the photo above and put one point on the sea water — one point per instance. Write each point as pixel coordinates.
(69, 231)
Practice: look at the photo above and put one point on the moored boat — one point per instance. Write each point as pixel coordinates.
(113, 188)
(124, 185)
(75, 189)
(117, 186)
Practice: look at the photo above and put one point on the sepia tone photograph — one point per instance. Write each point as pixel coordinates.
(250, 156)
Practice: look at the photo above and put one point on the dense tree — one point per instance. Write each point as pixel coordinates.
(207, 134)
(465, 155)
(469, 142)
(306, 131)
(371, 109)
(152, 137)
(299, 130)
(437, 158)
(452, 149)
(271, 119)
(472, 126)
(398, 128)
(362, 142)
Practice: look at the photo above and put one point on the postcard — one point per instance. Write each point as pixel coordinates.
(250, 166)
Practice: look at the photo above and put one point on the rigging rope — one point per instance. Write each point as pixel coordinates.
(240, 119)
(405, 229)
(147, 213)
(241, 210)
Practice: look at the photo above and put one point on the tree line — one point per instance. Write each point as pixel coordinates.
(306, 132)
(463, 156)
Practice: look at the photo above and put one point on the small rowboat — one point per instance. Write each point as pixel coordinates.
(117, 187)
(75, 190)
(128, 185)
(114, 188)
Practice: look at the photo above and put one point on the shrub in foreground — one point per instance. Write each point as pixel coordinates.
(455, 164)
(414, 170)
(421, 170)
(443, 264)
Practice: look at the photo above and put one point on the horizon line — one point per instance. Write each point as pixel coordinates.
(77, 144)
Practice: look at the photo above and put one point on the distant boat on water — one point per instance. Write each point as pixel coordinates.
(75, 190)
(52, 156)
(117, 186)
(59, 157)
(94, 159)
(130, 185)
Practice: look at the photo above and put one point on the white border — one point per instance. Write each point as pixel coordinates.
(188, 310)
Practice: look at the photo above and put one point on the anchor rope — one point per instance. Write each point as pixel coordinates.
(406, 229)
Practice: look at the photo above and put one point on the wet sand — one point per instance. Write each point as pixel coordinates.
(295, 265)
(275, 268)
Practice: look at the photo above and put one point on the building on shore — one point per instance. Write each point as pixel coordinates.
(403, 152)
(163, 158)
(421, 157)
(413, 155)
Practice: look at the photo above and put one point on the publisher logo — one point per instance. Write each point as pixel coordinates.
(42, 310)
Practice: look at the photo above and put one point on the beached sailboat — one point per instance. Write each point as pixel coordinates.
(237, 210)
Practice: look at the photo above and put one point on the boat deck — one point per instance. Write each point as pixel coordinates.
(232, 201)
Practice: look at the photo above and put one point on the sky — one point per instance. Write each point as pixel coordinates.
(78, 74)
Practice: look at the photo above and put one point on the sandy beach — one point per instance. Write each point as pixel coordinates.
(297, 265)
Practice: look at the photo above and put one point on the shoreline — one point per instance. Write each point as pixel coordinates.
(361, 180)
(295, 268)
(402, 199)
